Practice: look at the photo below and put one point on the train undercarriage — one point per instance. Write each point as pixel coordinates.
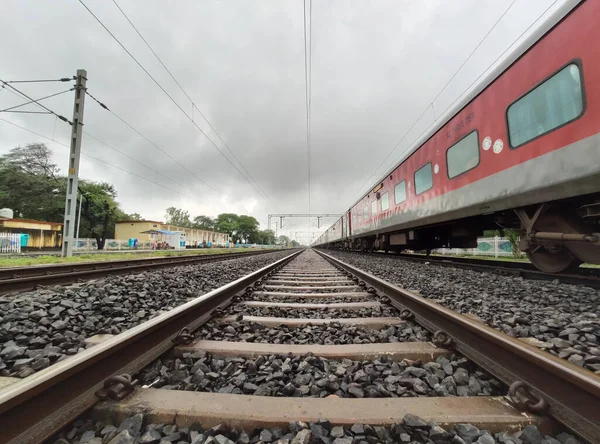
(555, 236)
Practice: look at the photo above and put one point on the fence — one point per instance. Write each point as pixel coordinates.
(486, 246)
(10, 243)
(116, 245)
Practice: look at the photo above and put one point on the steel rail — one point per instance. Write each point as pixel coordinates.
(28, 278)
(573, 394)
(589, 277)
(34, 408)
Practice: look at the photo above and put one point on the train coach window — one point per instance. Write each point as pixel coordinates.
(423, 179)
(374, 208)
(463, 155)
(366, 212)
(400, 192)
(548, 106)
(385, 201)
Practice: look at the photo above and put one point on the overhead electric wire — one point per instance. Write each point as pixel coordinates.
(62, 79)
(92, 157)
(109, 146)
(193, 103)
(446, 85)
(170, 97)
(64, 119)
(264, 194)
(138, 162)
(307, 80)
(161, 150)
(37, 100)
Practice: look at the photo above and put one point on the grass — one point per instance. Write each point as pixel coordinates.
(502, 258)
(16, 261)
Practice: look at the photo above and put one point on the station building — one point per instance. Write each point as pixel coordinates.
(194, 236)
(34, 233)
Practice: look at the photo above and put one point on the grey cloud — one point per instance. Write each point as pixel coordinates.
(375, 67)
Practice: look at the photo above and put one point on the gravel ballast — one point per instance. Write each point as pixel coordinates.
(311, 376)
(333, 333)
(39, 328)
(411, 429)
(565, 318)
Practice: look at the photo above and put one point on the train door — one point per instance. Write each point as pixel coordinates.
(349, 224)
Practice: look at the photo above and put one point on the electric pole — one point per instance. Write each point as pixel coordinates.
(74, 156)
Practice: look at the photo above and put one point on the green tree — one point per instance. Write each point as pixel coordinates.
(204, 223)
(178, 217)
(513, 237)
(29, 184)
(294, 244)
(248, 228)
(228, 223)
(283, 240)
(265, 237)
(33, 158)
(133, 216)
(99, 211)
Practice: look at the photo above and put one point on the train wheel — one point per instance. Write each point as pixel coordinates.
(553, 260)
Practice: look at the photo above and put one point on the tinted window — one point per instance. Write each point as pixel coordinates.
(551, 104)
(400, 192)
(463, 155)
(385, 202)
(374, 207)
(366, 213)
(423, 179)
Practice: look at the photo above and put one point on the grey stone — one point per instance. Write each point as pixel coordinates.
(467, 432)
(150, 437)
(438, 434)
(87, 436)
(337, 432)
(123, 438)
(413, 421)
(266, 436)
(302, 437)
(133, 425)
(357, 429)
(531, 435)
(486, 438)
(224, 440)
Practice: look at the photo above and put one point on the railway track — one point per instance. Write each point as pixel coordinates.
(589, 277)
(29, 278)
(307, 339)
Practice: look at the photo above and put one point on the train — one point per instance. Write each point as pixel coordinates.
(519, 150)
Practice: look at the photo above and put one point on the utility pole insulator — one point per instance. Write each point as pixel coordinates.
(74, 157)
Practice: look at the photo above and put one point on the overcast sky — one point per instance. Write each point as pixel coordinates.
(376, 66)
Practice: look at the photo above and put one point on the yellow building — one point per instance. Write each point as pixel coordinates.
(41, 234)
(194, 236)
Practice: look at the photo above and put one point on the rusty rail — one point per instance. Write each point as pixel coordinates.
(571, 394)
(33, 409)
(29, 278)
(589, 277)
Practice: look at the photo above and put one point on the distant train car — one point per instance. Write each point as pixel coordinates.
(520, 150)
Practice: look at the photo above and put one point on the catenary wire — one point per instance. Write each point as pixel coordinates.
(106, 144)
(92, 157)
(171, 98)
(308, 95)
(62, 79)
(37, 100)
(192, 102)
(64, 119)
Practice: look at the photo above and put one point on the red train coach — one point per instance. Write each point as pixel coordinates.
(520, 150)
